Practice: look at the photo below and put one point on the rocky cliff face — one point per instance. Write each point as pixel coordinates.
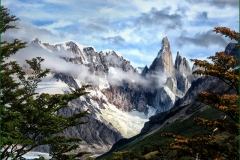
(145, 71)
(181, 65)
(163, 62)
(127, 97)
(187, 105)
(179, 78)
(110, 58)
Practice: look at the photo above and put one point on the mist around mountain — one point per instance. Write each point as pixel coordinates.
(122, 98)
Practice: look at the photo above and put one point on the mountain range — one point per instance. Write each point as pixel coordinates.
(123, 100)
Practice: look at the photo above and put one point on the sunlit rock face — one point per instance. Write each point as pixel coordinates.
(178, 78)
(163, 62)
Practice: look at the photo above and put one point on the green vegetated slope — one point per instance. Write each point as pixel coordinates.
(154, 146)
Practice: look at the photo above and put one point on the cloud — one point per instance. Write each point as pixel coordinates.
(26, 32)
(117, 40)
(217, 3)
(160, 18)
(58, 24)
(116, 11)
(136, 25)
(202, 15)
(116, 76)
(182, 9)
(204, 39)
(96, 28)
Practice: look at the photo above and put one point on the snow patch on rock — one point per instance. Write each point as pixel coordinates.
(170, 93)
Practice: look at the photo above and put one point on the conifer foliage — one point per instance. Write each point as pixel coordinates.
(29, 119)
(226, 68)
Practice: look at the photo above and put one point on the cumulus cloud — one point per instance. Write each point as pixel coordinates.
(182, 9)
(204, 39)
(160, 18)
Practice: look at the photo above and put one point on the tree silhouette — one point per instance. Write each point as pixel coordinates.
(29, 119)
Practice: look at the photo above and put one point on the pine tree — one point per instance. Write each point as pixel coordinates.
(226, 68)
(29, 119)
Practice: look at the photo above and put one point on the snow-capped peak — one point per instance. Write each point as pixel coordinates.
(164, 45)
(66, 44)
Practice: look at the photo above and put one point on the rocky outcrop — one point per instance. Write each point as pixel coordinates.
(181, 65)
(198, 86)
(183, 74)
(66, 78)
(178, 80)
(145, 71)
(163, 62)
(127, 97)
(110, 58)
(187, 105)
(165, 97)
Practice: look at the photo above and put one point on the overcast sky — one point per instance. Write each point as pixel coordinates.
(134, 28)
